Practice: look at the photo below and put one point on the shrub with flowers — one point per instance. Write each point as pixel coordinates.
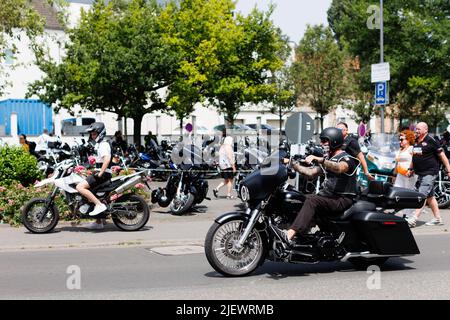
(14, 197)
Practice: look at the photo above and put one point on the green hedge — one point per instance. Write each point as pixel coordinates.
(17, 166)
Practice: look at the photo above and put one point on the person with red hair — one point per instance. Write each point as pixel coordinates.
(403, 162)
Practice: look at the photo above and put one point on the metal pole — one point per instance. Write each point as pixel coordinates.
(381, 57)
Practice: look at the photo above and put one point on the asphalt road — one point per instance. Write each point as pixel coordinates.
(139, 273)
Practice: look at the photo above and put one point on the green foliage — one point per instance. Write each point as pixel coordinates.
(17, 165)
(319, 70)
(14, 197)
(115, 61)
(226, 58)
(284, 99)
(16, 15)
(416, 35)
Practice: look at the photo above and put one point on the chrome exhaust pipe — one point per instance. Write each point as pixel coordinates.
(367, 254)
(128, 185)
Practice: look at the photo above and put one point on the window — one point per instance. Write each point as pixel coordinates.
(9, 57)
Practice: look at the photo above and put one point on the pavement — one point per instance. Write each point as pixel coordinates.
(163, 229)
(142, 273)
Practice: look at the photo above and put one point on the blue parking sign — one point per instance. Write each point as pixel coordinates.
(381, 93)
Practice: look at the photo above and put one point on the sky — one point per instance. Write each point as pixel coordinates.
(291, 16)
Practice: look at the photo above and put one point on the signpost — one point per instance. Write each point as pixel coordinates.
(381, 73)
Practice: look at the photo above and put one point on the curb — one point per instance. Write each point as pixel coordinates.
(124, 244)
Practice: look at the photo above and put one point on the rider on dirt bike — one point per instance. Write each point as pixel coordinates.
(339, 187)
(97, 132)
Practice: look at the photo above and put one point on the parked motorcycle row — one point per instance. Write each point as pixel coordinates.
(186, 183)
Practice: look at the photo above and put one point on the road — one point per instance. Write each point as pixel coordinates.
(139, 273)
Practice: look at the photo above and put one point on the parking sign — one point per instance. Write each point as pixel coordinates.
(381, 93)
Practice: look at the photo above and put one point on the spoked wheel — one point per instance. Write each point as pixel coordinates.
(181, 204)
(130, 212)
(442, 196)
(32, 213)
(225, 257)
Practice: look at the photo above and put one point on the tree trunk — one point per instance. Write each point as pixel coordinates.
(137, 129)
(181, 129)
(321, 122)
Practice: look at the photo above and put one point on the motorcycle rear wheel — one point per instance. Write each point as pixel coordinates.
(31, 212)
(222, 254)
(442, 198)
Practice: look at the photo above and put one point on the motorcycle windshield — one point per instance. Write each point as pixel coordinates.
(384, 144)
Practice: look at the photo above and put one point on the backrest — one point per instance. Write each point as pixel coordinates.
(379, 188)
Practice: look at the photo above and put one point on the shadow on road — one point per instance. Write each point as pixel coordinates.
(278, 271)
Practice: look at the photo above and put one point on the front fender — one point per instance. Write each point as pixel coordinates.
(232, 216)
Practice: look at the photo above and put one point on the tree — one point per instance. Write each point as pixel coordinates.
(116, 61)
(416, 42)
(319, 69)
(226, 58)
(17, 18)
(284, 99)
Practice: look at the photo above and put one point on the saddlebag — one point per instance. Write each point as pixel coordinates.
(384, 233)
(384, 195)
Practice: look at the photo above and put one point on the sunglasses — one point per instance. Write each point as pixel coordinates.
(401, 139)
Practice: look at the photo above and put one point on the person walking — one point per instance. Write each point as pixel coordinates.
(227, 166)
(427, 153)
(403, 163)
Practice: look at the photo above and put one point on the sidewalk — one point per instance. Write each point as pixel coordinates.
(163, 229)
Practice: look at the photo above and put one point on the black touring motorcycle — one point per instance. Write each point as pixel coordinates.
(239, 242)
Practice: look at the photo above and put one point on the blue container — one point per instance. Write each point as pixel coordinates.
(33, 116)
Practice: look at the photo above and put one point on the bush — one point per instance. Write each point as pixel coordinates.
(17, 166)
(14, 197)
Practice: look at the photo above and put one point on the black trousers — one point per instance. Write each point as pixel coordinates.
(316, 204)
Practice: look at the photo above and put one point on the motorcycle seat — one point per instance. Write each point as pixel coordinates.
(107, 186)
(359, 206)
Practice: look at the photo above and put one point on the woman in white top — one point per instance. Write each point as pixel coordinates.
(403, 162)
(227, 166)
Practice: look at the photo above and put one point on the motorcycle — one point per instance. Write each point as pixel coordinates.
(49, 157)
(185, 188)
(129, 211)
(380, 156)
(238, 243)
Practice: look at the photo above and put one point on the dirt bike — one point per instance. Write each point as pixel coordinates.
(129, 211)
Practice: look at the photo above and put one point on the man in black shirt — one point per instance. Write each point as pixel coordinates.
(351, 146)
(339, 186)
(427, 155)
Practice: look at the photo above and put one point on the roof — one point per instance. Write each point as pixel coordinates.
(49, 13)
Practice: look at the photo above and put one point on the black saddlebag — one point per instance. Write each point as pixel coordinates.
(384, 233)
(386, 196)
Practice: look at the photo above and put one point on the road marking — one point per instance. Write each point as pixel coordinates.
(177, 250)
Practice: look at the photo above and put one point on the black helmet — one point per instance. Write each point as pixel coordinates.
(98, 127)
(334, 136)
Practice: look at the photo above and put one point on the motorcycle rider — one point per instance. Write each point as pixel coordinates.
(339, 188)
(97, 132)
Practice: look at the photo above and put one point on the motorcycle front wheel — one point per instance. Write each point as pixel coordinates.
(33, 211)
(225, 258)
(130, 212)
(182, 204)
(441, 195)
